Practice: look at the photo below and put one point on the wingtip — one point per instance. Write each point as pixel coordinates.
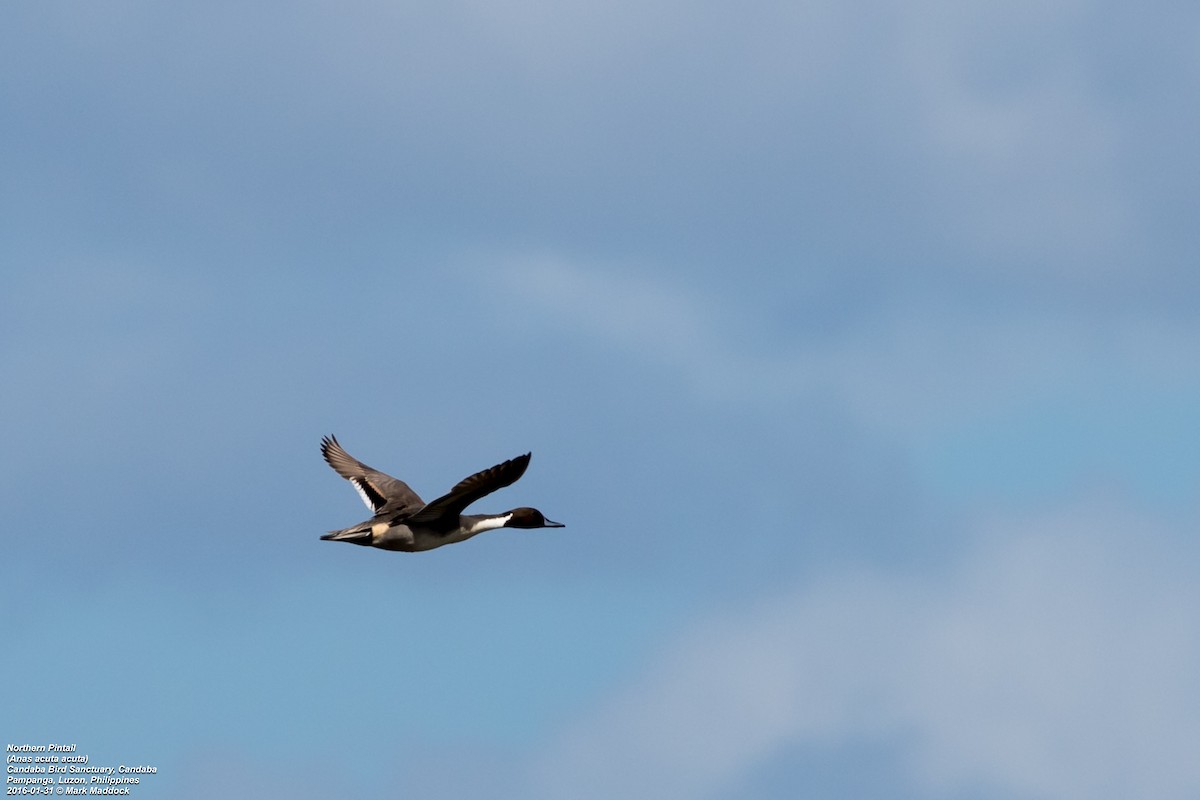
(328, 443)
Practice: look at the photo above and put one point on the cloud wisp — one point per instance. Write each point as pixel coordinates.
(915, 365)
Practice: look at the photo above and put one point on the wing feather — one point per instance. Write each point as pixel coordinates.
(470, 489)
(378, 490)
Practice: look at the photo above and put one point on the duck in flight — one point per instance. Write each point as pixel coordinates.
(403, 521)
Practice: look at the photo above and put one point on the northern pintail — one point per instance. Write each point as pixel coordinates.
(403, 521)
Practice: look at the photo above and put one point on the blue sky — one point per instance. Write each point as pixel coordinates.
(856, 346)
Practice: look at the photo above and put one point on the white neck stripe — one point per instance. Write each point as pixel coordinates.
(490, 523)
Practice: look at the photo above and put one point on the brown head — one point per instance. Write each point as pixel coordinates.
(530, 518)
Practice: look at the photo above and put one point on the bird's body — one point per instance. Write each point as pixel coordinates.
(402, 521)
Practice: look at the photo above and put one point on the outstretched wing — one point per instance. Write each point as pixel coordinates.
(468, 490)
(378, 490)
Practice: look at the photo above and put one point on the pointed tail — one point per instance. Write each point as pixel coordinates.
(359, 534)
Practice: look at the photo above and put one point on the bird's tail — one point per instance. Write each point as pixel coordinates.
(359, 534)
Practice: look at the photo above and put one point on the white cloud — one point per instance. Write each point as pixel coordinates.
(1056, 660)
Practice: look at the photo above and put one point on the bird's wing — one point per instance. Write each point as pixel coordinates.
(377, 489)
(468, 490)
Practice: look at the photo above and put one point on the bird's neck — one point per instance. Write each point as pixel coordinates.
(484, 522)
